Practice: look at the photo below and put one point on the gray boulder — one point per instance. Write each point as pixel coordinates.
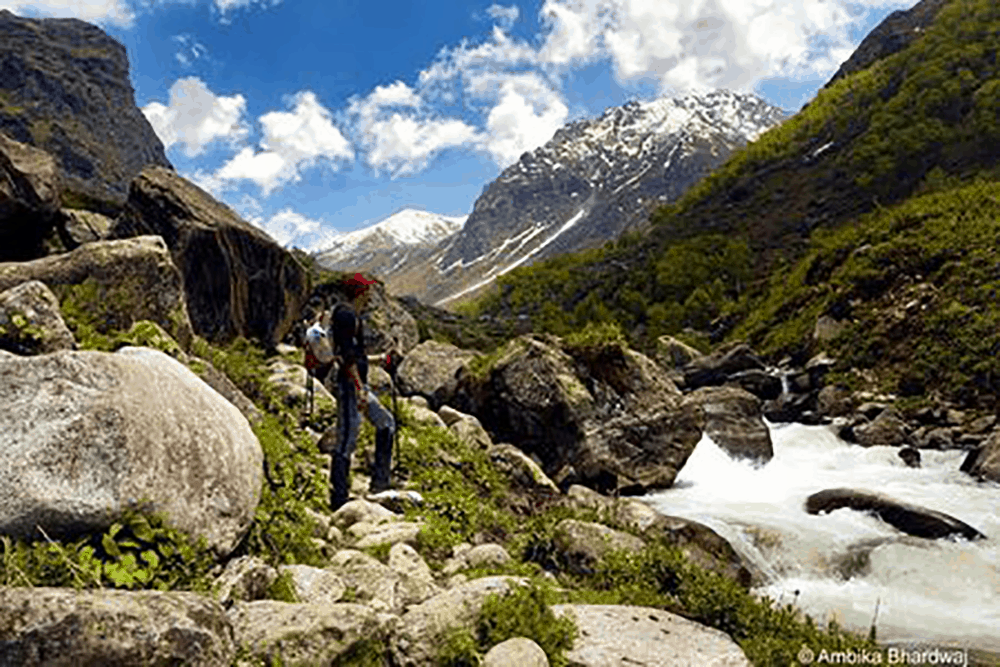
(424, 626)
(29, 197)
(580, 545)
(909, 518)
(706, 548)
(611, 414)
(282, 633)
(314, 585)
(429, 370)
(716, 368)
(30, 321)
(620, 635)
(733, 420)
(518, 651)
(238, 281)
(114, 283)
(59, 627)
(85, 434)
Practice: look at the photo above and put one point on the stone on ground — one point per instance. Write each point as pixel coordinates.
(429, 370)
(519, 651)
(30, 321)
(314, 585)
(246, 578)
(61, 627)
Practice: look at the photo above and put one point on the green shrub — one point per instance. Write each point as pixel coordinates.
(525, 612)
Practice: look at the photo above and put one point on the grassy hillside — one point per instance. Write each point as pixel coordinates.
(725, 259)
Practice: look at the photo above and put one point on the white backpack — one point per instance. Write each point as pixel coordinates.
(319, 343)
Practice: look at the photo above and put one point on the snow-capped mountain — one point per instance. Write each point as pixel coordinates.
(406, 237)
(594, 180)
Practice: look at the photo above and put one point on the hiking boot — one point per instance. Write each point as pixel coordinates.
(383, 461)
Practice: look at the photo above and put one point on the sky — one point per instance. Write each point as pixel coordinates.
(317, 117)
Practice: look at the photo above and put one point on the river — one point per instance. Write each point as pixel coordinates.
(842, 564)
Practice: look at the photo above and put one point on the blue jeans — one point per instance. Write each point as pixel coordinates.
(348, 423)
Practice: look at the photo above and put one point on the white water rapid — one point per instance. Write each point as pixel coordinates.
(945, 591)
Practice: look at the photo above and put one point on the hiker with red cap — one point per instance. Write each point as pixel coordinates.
(354, 398)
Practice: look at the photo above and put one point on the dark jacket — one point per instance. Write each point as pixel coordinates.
(349, 341)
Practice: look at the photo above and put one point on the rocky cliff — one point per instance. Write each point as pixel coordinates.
(64, 87)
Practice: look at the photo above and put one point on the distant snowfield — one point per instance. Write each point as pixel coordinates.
(409, 227)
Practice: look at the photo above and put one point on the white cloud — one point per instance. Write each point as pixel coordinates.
(704, 43)
(527, 113)
(195, 116)
(505, 16)
(225, 7)
(398, 135)
(117, 12)
(190, 49)
(287, 227)
(293, 141)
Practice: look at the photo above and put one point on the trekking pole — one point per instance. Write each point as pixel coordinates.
(310, 391)
(395, 411)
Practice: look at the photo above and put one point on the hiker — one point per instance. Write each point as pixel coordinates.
(354, 396)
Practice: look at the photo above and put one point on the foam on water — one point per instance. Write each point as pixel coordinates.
(844, 562)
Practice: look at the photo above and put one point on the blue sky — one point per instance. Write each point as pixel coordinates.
(317, 117)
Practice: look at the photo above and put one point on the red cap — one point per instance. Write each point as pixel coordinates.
(359, 279)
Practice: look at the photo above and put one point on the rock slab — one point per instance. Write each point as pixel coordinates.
(612, 635)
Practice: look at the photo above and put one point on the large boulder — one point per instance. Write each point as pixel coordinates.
(85, 434)
(620, 635)
(984, 461)
(429, 370)
(282, 633)
(610, 415)
(29, 197)
(30, 321)
(113, 284)
(238, 281)
(60, 627)
(389, 327)
(909, 518)
(706, 548)
(65, 88)
(733, 421)
(886, 430)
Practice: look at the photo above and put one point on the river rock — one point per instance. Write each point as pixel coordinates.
(706, 548)
(758, 382)
(429, 370)
(116, 283)
(30, 321)
(60, 627)
(356, 511)
(620, 635)
(733, 421)
(580, 545)
(886, 430)
(423, 627)
(394, 532)
(282, 633)
(85, 434)
(910, 456)
(519, 651)
(611, 414)
(238, 281)
(29, 197)
(909, 518)
(834, 401)
(984, 461)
